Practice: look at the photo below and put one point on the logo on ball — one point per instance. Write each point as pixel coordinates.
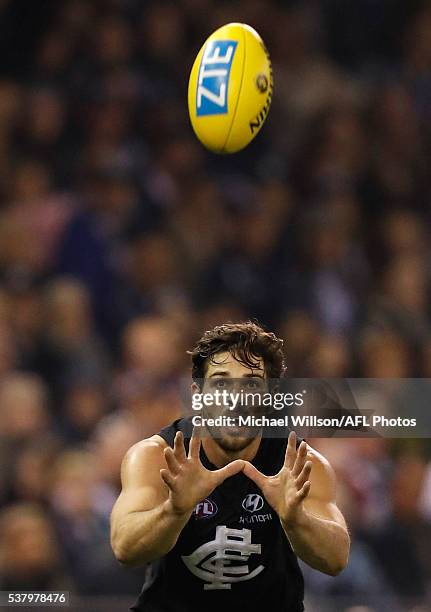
(213, 78)
(262, 83)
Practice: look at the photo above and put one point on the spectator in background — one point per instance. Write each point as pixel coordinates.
(402, 303)
(28, 479)
(147, 388)
(403, 534)
(111, 439)
(24, 408)
(384, 354)
(24, 419)
(71, 349)
(78, 500)
(30, 557)
(86, 402)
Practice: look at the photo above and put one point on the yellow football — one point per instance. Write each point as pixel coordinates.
(230, 88)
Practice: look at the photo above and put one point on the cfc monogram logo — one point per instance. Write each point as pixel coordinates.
(223, 560)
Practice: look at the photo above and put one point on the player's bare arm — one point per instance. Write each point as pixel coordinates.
(303, 495)
(160, 488)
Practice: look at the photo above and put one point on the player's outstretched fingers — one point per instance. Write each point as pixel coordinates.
(171, 461)
(179, 450)
(253, 473)
(301, 457)
(304, 475)
(195, 444)
(290, 456)
(230, 469)
(304, 491)
(168, 479)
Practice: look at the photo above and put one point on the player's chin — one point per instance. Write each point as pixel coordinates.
(234, 439)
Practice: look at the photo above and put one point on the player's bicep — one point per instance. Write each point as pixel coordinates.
(325, 510)
(321, 500)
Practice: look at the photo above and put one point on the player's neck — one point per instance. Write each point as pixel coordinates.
(220, 457)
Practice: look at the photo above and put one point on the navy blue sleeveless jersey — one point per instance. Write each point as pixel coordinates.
(232, 554)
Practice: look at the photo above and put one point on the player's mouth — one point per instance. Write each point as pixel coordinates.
(236, 426)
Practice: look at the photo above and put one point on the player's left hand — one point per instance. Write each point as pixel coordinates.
(286, 490)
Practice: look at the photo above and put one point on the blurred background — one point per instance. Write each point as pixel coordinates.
(122, 240)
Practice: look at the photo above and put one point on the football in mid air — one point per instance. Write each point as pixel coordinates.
(230, 88)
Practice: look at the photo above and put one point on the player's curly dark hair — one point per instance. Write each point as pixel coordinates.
(245, 341)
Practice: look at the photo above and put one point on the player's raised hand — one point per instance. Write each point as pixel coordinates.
(188, 481)
(285, 491)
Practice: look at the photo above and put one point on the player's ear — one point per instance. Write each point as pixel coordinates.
(195, 387)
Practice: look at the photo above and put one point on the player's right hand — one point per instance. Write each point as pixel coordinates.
(188, 481)
(286, 491)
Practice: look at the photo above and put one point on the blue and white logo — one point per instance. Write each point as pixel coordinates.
(213, 77)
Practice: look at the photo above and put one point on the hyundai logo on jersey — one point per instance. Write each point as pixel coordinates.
(252, 502)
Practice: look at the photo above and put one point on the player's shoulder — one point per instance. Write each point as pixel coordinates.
(148, 448)
(152, 448)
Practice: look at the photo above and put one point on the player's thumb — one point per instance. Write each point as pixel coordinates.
(253, 473)
(230, 469)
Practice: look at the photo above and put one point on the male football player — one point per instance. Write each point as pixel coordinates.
(221, 519)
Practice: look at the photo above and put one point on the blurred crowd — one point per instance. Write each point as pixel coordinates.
(122, 240)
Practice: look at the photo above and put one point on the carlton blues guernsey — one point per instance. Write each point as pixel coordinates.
(232, 554)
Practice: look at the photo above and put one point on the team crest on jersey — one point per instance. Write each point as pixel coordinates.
(224, 560)
(205, 509)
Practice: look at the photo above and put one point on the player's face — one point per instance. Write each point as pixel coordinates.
(225, 373)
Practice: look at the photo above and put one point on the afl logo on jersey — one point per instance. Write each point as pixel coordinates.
(205, 509)
(252, 502)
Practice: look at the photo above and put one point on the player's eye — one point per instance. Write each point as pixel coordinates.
(252, 384)
(220, 383)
